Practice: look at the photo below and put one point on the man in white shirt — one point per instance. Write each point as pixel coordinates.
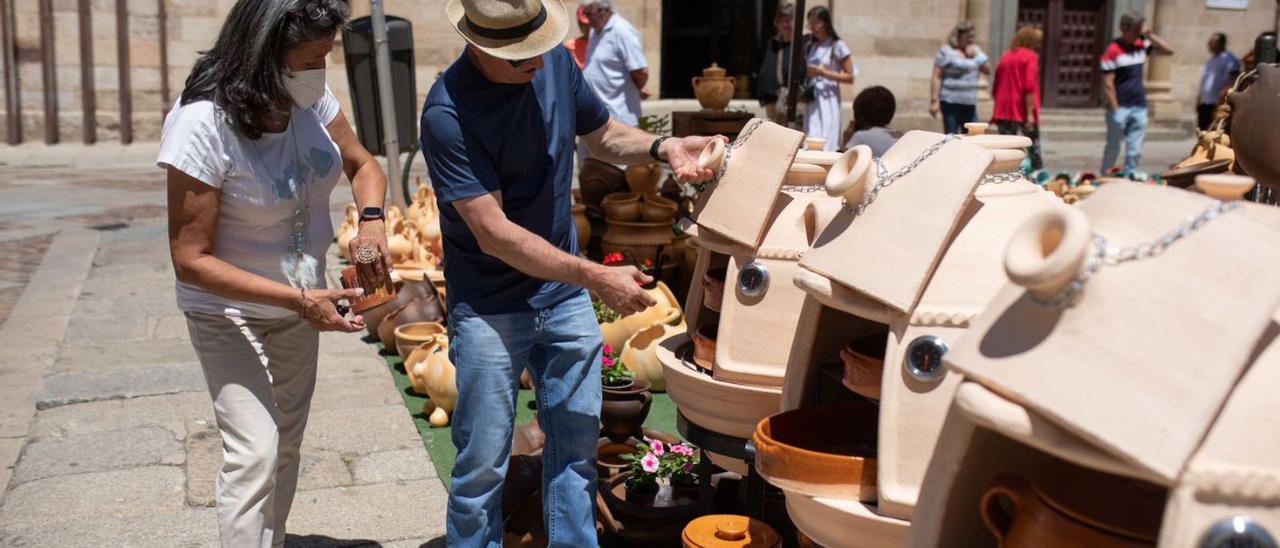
(616, 68)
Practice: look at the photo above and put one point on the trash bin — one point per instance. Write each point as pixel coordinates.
(357, 46)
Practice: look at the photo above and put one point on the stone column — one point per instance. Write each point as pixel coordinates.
(1160, 102)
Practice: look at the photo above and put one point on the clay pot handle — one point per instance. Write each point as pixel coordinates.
(712, 155)
(849, 175)
(1225, 187)
(647, 398)
(1015, 488)
(1047, 251)
(696, 79)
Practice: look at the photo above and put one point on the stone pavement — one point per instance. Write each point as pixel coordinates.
(106, 429)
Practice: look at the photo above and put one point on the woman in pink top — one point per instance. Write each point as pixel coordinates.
(1016, 90)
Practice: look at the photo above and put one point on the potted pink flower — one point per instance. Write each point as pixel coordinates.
(626, 399)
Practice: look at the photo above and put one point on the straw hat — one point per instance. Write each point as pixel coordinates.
(510, 29)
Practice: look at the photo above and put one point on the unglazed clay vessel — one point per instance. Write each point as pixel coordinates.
(713, 288)
(864, 366)
(666, 310)
(411, 335)
(417, 311)
(437, 377)
(1254, 119)
(622, 206)
(654, 208)
(729, 531)
(1078, 507)
(704, 346)
(640, 353)
(643, 179)
(713, 89)
(347, 231)
(820, 451)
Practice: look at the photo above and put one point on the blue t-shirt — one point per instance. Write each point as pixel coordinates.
(480, 137)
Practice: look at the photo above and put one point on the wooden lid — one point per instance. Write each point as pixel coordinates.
(728, 530)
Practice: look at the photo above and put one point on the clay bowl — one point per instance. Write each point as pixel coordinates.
(412, 335)
(418, 310)
(820, 451)
(655, 209)
(864, 365)
(704, 346)
(622, 206)
(713, 287)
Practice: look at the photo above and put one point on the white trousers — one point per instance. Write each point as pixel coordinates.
(822, 119)
(261, 375)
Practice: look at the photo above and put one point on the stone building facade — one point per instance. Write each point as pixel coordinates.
(893, 44)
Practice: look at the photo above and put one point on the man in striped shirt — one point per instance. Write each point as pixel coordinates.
(1122, 64)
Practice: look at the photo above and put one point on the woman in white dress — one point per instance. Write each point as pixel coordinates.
(830, 65)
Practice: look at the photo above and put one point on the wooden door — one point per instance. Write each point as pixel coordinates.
(1073, 32)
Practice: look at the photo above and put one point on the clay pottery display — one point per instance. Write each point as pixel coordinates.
(437, 376)
(639, 353)
(624, 408)
(621, 206)
(643, 179)
(347, 231)
(820, 451)
(713, 287)
(704, 346)
(640, 525)
(596, 180)
(864, 366)
(645, 240)
(582, 224)
(419, 355)
(1075, 507)
(418, 310)
(400, 246)
(1254, 119)
(608, 463)
(729, 531)
(666, 310)
(411, 335)
(655, 209)
(713, 89)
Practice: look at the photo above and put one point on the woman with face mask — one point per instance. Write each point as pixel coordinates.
(253, 150)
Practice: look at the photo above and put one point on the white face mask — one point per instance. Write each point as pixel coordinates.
(305, 86)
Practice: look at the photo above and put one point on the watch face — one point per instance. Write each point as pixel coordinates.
(753, 279)
(371, 213)
(924, 358)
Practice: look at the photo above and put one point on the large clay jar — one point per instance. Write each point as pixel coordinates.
(347, 232)
(597, 180)
(640, 353)
(582, 224)
(713, 89)
(654, 209)
(622, 206)
(624, 409)
(418, 310)
(412, 335)
(398, 242)
(666, 310)
(438, 378)
(1076, 508)
(1254, 119)
(641, 525)
(644, 178)
(416, 357)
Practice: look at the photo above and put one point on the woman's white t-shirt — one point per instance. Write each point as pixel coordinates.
(262, 182)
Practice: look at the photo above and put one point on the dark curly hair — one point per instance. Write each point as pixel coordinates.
(873, 107)
(242, 72)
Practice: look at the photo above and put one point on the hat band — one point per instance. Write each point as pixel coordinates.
(509, 33)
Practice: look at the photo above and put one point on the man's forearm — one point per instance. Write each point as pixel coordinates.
(532, 255)
(618, 143)
(1160, 44)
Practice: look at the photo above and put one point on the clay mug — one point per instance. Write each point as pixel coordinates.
(1036, 522)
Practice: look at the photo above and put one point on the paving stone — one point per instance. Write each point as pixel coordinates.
(117, 494)
(86, 328)
(9, 450)
(376, 390)
(96, 452)
(405, 464)
(169, 411)
(68, 388)
(17, 405)
(339, 367)
(204, 459)
(400, 510)
(324, 469)
(102, 355)
(360, 431)
(173, 326)
(187, 528)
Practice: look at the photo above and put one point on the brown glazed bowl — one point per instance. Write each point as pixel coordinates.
(820, 451)
(713, 287)
(1254, 119)
(864, 365)
(704, 346)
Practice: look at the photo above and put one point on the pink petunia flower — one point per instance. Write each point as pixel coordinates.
(606, 361)
(682, 449)
(657, 449)
(608, 350)
(649, 463)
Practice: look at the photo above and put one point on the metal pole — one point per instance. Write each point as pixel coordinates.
(125, 89)
(88, 102)
(795, 72)
(9, 60)
(49, 71)
(386, 101)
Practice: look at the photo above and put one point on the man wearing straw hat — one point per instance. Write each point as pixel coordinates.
(498, 132)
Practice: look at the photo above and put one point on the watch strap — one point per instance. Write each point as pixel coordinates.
(653, 148)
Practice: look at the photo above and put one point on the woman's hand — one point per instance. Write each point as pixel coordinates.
(374, 233)
(319, 308)
(814, 71)
(683, 153)
(934, 108)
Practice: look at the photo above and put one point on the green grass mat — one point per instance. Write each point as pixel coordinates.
(662, 416)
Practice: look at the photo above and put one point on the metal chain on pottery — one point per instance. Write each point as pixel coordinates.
(886, 178)
(729, 148)
(1105, 254)
(1001, 178)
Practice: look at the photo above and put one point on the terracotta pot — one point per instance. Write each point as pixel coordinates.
(666, 310)
(704, 346)
(729, 531)
(643, 496)
(713, 89)
(410, 336)
(582, 224)
(1254, 120)
(643, 179)
(623, 410)
(656, 209)
(639, 353)
(644, 239)
(820, 451)
(598, 180)
(418, 310)
(621, 206)
(609, 465)
(638, 525)
(347, 232)
(437, 376)
(864, 365)
(410, 364)
(1078, 507)
(713, 287)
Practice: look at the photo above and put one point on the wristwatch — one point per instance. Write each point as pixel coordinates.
(372, 213)
(657, 143)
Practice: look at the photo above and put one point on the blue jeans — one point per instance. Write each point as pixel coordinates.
(561, 347)
(956, 115)
(1131, 123)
